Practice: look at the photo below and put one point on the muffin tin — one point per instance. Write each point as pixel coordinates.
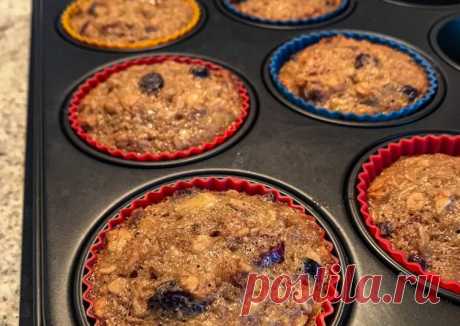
(70, 191)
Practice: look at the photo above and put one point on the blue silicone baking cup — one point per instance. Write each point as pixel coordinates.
(293, 22)
(290, 48)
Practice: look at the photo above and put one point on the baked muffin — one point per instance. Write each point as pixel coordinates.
(286, 10)
(347, 75)
(416, 205)
(185, 261)
(119, 22)
(162, 107)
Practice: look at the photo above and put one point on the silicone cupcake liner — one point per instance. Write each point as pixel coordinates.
(139, 45)
(293, 22)
(287, 50)
(383, 158)
(104, 74)
(209, 183)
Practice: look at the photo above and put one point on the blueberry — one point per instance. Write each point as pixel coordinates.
(361, 60)
(172, 300)
(385, 228)
(414, 258)
(312, 95)
(311, 267)
(200, 72)
(235, 2)
(151, 83)
(273, 256)
(411, 92)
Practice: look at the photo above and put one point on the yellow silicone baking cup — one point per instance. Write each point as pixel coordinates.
(73, 7)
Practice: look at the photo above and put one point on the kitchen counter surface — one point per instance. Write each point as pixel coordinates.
(14, 53)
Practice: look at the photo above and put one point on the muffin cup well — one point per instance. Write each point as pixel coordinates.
(383, 158)
(209, 183)
(104, 74)
(424, 3)
(138, 45)
(441, 38)
(227, 5)
(290, 48)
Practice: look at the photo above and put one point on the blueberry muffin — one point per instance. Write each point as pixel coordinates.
(185, 261)
(354, 76)
(161, 107)
(286, 10)
(130, 21)
(416, 205)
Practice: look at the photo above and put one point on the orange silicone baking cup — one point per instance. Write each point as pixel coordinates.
(104, 74)
(384, 158)
(139, 45)
(213, 184)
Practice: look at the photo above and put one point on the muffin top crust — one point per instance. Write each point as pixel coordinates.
(416, 205)
(186, 260)
(129, 21)
(286, 9)
(354, 76)
(162, 107)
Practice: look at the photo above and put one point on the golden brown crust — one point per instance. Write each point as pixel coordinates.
(354, 76)
(286, 9)
(416, 204)
(129, 21)
(161, 107)
(204, 243)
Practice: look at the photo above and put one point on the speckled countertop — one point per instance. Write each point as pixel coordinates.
(14, 50)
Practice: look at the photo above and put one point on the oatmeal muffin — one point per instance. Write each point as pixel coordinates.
(286, 10)
(129, 21)
(416, 205)
(161, 107)
(185, 261)
(347, 75)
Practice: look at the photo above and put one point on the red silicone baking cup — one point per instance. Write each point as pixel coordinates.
(213, 184)
(104, 74)
(383, 158)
